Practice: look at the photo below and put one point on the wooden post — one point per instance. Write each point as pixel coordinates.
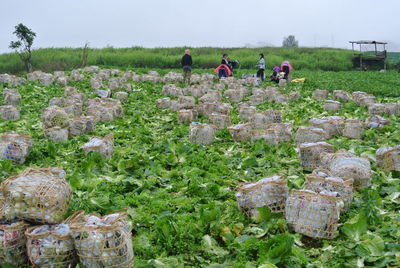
(360, 59)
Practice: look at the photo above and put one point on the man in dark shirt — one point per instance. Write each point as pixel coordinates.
(187, 66)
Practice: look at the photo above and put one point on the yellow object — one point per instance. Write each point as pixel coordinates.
(298, 80)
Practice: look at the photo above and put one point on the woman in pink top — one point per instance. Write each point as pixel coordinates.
(287, 68)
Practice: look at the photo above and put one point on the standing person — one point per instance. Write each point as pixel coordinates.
(186, 66)
(261, 67)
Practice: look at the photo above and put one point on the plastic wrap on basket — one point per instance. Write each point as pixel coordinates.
(163, 103)
(234, 95)
(81, 125)
(216, 107)
(376, 121)
(186, 102)
(269, 135)
(56, 134)
(341, 95)
(221, 121)
(313, 214)
(388, 158)
(202, 133)
(333, 125)
(320, 94)
(271, 192)
(310, 134)
(241, 132)
(121, 95)
(246, 113)
(331, 105)
(103, 241)
(344, 187)
(12, 243)
(51, 246)
(343, 164)
(353, 128)
(186, 116)
(366, 100)
(310, 153)
(15, 147)
(9, 112)
(104, 146)
(38, 195)
(376, 109)
(11, 98)
(211, 96)
(392, 108)
(284, 130)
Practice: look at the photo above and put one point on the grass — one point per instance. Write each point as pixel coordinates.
(52, 59)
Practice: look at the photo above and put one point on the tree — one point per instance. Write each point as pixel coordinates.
(290, 41)
(24, 44)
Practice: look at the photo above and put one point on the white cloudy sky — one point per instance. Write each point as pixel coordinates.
(229, 23)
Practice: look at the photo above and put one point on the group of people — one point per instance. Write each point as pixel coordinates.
(227, 66)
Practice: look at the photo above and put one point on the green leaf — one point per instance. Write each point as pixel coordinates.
(374, 246)
(355, 227)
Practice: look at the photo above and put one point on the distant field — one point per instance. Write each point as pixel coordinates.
(393, 57)
(51, 59)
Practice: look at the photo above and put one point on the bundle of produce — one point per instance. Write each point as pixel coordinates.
(196, 91)
(202, 133)
(283, 130)
(103, 93)
(269, 135)
(11, 97)
(104, 109)
(357, 95)
(332, 125)
(271, 192)
(257, 99)
(163, 103)
(331, 105)
(388, 158)
(186, 102)
(211, 96)
(15, 146)
(76, 76)
(241, 132)
(103, 241)
(172, 90)
(392, 108)
(172, 77)
(246, 113)
(260, 120)
(343, 164)
(313, 214)
(12, 243)
(344, 187)
(38, 195)
(320, 94)
(122, 96)
(376, 109)
(74, 109)
(56, 134)
(96, 83)
(294, 95)
(366, 100)
(310, 134)
(215, 107)
(234, 95)
(127, 87)
(9, 112)
(113, 83)
(220, 121)
(310, 153)
(353, 128)
(46, 79)
(56, 101)
(186, 116)
(377, 121)
(274, 116)
(54, 116)
(51, 246)
(81, 125)
(62, 80)
(341, 95)
(103, 146)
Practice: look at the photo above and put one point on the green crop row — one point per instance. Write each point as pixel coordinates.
(52, 59)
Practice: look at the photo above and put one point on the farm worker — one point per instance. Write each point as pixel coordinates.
(261, 67)
(225, 60)
(187, 66)
(275, 71)
(287, 68)
(223, 70)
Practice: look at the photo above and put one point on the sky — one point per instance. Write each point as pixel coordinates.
(229, 23)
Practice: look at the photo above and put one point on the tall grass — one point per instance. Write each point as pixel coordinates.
(51, 59)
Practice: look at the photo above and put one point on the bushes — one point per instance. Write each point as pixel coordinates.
(51, 59)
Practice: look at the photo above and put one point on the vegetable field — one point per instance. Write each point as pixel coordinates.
(180, 196)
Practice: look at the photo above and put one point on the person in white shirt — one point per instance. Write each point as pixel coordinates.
(261, 67)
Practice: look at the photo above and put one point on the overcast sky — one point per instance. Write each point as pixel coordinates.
(229, 23)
